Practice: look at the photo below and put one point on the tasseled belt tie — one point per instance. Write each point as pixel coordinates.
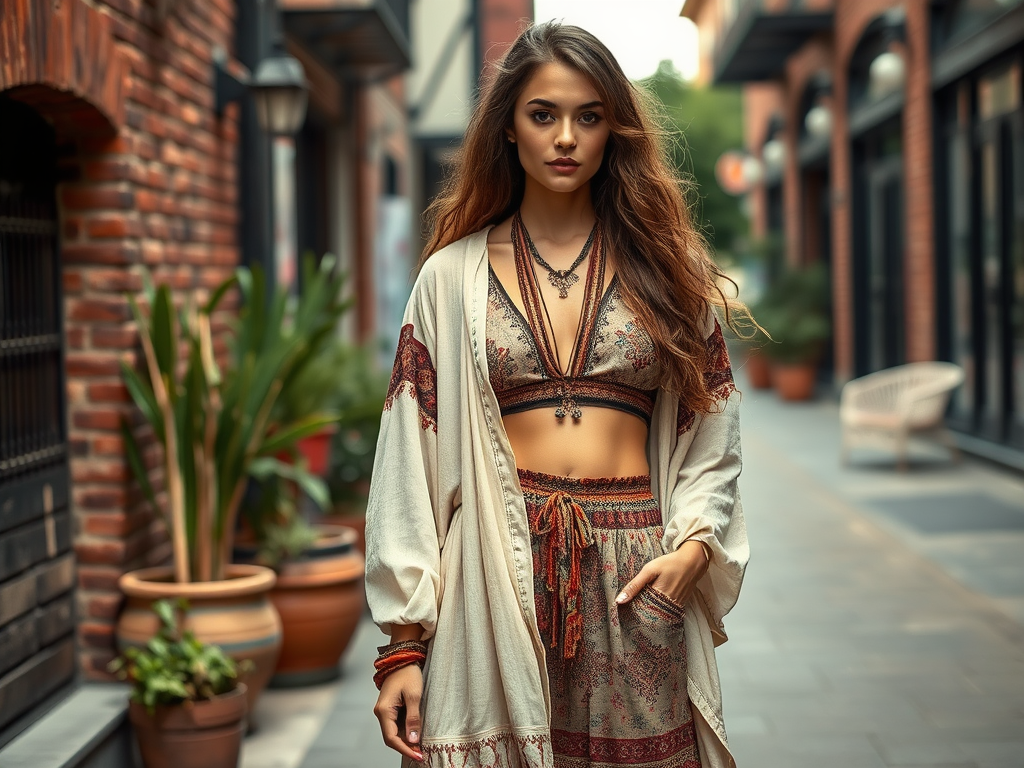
(566, 532)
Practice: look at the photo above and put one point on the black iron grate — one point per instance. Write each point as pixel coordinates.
(32, 432)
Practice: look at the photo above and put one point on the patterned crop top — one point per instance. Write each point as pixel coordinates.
(614, 365)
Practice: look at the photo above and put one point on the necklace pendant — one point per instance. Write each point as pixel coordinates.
(569, 407)
(563, 280)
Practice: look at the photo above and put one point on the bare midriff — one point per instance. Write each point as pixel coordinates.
(604, 443)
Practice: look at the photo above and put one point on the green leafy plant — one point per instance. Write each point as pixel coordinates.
(794, 311)
(175, 667)
(360, 396)
(216, 426)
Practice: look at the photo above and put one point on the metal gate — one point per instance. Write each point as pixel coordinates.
(36, 566)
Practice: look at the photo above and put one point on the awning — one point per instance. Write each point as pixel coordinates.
(759, 41)
(360, 40)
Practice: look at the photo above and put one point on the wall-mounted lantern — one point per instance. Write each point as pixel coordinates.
(278, 87)
(888, 70)
(818, 121)
(887, 74)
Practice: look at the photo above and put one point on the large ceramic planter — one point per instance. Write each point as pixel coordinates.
(235, 613)
(794, 381)
(758, 369)
(320, 599)
(201, 734)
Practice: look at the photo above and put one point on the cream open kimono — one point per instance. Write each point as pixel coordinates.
(448, 542)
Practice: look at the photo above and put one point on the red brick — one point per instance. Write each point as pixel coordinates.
(94, 634)
(108, 393)
(98, 577)
(86, 198)
(108, 445)
(106, 253)
(112, 227)
(72, 279)
(97, 418)
(114, 280)
(106, 170)
(117, 337)
(86, 364)
(98, 310)
(103, 606)
(95, 505)
(74, 338)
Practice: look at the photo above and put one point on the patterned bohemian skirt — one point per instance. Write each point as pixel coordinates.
(617, 673)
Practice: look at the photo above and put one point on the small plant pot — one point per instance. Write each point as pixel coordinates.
(794, 381)
(235, 613)
(758, 369)
(201, 734)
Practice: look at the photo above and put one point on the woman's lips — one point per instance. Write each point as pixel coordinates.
(564, 165)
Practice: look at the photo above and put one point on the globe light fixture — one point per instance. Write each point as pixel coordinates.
(818, 121)
(752, 170)
(773, 153)
(886, 74)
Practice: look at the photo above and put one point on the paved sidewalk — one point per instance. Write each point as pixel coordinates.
(881, 623)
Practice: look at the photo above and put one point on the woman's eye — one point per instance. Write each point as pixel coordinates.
(542, 116)
(590, 118)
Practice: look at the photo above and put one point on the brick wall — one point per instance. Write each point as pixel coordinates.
(852, 17)
(152, 188)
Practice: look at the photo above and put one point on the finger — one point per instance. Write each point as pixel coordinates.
(412, 719)
(388, 715)
(636, 584)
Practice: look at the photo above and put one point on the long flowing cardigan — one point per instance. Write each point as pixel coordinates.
(448, 541)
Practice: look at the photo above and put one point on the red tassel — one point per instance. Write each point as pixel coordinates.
(567, 531)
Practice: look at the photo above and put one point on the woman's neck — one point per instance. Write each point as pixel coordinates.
(557, 216)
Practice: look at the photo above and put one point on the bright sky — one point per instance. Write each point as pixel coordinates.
(639, 32)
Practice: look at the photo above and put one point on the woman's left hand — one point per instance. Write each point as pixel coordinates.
(674, 574)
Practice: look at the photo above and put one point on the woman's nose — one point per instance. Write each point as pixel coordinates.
(566, 136)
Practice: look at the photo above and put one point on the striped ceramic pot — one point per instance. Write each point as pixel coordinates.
(235, 613)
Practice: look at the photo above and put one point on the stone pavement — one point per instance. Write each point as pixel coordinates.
(881, 623)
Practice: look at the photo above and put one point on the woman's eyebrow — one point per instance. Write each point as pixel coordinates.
(552, 105)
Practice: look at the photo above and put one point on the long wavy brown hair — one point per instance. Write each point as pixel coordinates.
(665, 271)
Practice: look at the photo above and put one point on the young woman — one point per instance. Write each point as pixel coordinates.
(553, 524)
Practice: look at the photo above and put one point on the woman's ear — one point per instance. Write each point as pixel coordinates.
(510, 135)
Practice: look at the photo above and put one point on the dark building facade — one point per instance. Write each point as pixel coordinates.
(891, 139)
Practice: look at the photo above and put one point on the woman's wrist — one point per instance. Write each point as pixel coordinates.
(705, 551)
(403, 632)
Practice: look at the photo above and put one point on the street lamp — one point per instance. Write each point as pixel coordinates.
(278, 86)
(280, 91)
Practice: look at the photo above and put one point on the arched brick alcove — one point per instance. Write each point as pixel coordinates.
(59, 57)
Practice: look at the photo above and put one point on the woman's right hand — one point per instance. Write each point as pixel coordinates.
(398, 710)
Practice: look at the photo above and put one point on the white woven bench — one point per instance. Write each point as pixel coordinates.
(896, 402)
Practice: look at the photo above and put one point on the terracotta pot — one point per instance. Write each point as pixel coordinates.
(356, 520)
(320, 598)
(235, 613)
(758, 369)
(200, 734)
(794, 381)
(317, 449)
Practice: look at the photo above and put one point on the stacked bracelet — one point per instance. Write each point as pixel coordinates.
(397, 655)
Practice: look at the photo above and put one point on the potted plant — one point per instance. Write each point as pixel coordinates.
(187, 705)
(319, 592)
(795, 313)
(761, 263)
(213, 424)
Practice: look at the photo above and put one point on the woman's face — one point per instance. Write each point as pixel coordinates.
(559, 128)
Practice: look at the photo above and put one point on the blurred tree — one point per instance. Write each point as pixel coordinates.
(703, 123)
